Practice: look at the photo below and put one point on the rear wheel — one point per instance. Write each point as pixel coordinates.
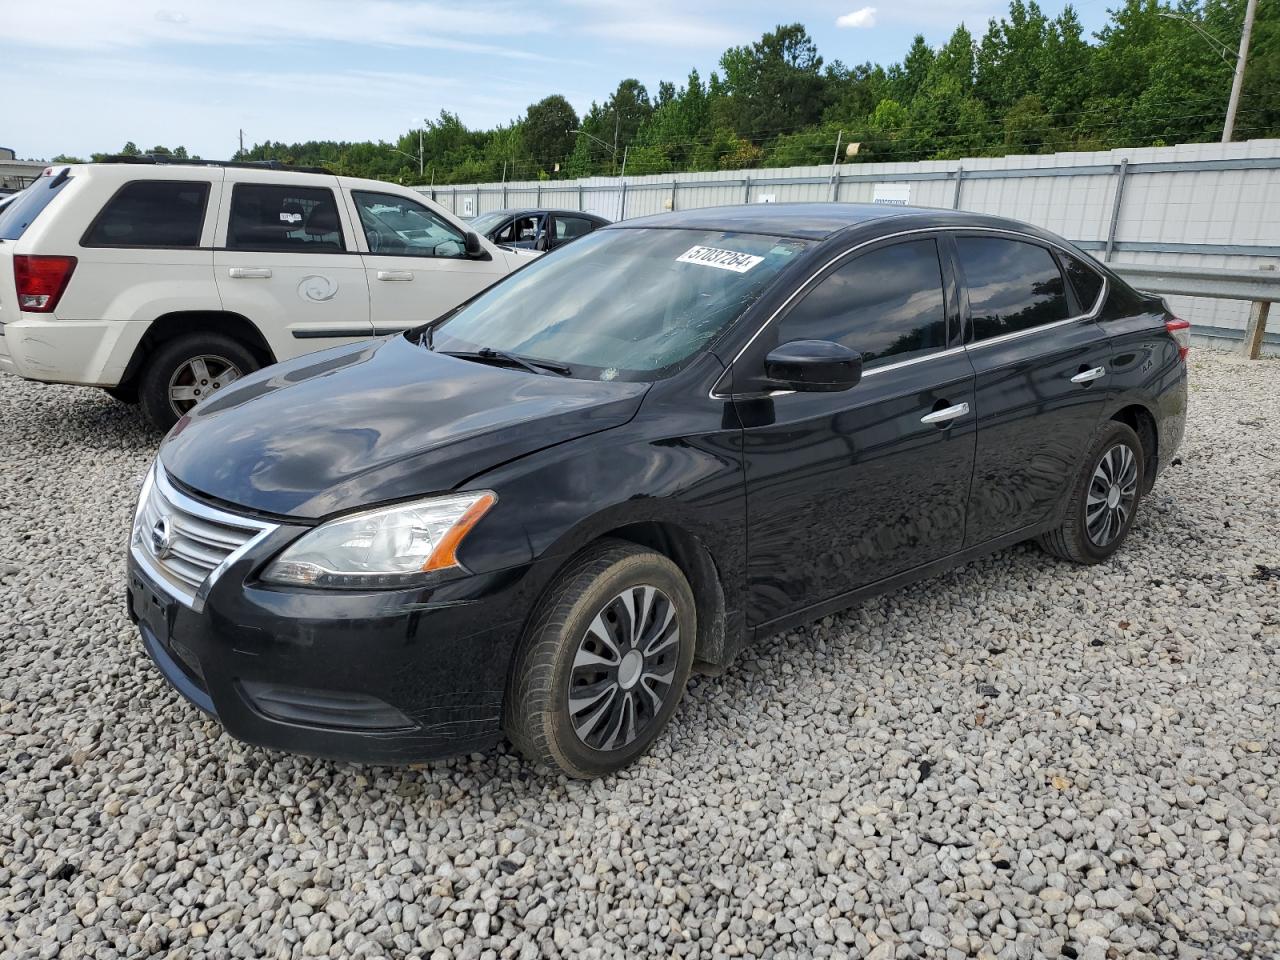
(604, 663)
(1104, 499)
(186, 370)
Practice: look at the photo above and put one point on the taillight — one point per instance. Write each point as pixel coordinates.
(1181, 332)
(41, 280)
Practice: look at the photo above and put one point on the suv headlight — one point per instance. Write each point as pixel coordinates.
(390, 547)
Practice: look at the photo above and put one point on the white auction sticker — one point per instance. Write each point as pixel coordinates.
(722, 259)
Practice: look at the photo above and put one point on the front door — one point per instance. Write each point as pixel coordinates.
(1041, 364)
(845, 489)
(285, 260)
(416, 261)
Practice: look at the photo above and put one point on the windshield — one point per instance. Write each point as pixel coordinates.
(625, 304)
(486, 222)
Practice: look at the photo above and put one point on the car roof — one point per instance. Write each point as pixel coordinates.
(525, 211)
(813, 221)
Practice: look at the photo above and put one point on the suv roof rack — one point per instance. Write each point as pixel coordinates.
(161, 159)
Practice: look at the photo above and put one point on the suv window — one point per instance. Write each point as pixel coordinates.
(284, 219)
(1087, 282)
(23, 209)
(151, 213)
(1012, 285)
(887, 304)
(401, 227)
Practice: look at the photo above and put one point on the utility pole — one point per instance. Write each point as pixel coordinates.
(419, 154)
(242, 141)
(1237, 81)
(617, 119)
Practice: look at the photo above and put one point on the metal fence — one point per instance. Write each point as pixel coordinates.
(1191, 208)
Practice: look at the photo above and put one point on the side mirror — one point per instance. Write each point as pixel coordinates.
(472, 244)
(543, 242)
(814, 365)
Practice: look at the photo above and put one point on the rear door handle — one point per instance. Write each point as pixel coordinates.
(1088, 376)
(249, 273)
(395, 274)
(946, 414)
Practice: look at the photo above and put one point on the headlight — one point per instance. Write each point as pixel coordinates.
(390, 547)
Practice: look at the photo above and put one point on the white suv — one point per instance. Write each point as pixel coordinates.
(162, 282)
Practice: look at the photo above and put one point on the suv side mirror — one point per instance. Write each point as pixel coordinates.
(472, 245)
(814, 365)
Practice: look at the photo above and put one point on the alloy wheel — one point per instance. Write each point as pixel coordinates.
(195, 379)
(1113, 493)
(623, 668)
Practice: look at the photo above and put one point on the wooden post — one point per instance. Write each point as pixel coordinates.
(1257, 327)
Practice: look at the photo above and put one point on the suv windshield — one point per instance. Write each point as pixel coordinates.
(625, 304)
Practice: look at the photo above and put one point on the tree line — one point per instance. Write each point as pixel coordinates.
(1030, 84)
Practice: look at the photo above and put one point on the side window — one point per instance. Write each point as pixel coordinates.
(507, 234)
(1087, 282)
(284, 219)
(525, 230)
(1012, 285)
(397, 226)
(569, 228)
(887, 304)
(151, 213)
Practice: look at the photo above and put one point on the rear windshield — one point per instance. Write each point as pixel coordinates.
(26, 206)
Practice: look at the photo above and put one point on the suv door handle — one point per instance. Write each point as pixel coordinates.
(395, 274)
(1088, 376)
(946, 414)
(249, 273)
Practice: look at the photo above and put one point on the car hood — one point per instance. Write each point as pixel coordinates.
(374, 422)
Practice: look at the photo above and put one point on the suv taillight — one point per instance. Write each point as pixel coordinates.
(1181, 331)
(41, 280)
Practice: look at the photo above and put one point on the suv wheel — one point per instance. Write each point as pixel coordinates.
(604, 663)
(188, 369)
(1104, 498)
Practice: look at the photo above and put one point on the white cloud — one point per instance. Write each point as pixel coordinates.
(863, 19)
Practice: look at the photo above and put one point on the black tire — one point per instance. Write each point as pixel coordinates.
(122, 394)
(538, 715)
(1074, 540)
(161, 367)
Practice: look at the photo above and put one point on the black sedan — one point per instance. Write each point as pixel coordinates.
(541, 230)
(535, 516)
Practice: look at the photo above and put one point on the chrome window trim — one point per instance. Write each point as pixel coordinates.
(157, 477)
(1091, 314)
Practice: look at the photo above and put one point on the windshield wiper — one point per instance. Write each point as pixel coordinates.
(489, 355)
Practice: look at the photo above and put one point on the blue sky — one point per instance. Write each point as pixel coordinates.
(87, 75)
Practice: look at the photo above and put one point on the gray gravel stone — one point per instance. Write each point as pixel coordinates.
(1009, 759)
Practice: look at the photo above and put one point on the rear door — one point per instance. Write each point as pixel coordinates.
(286, 260)
(415, 260)
(1042, 364)
(845, 489)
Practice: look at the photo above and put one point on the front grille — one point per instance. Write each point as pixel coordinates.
(185, 543)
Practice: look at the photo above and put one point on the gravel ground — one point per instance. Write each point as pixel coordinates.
(1020, 758)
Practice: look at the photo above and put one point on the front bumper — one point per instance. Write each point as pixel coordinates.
(385, 678)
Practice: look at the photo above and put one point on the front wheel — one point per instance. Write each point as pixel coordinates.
(1104, 498)
(604, 663)
(186, 370)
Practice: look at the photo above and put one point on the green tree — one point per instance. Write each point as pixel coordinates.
(546, 131)
(773, 85)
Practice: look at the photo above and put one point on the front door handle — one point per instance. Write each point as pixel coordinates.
(395, 274)
(946, 414)
(1088, 376)
(249, 273)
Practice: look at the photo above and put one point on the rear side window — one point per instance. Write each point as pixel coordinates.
(1012, 285)
(887, 304)
(284, 219)
(151, 213)
(1087, 282)
(568, 228)
(22, 211)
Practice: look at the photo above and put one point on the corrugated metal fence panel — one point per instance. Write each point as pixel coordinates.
(1213, 195)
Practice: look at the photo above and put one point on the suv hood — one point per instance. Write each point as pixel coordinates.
(378, 421)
